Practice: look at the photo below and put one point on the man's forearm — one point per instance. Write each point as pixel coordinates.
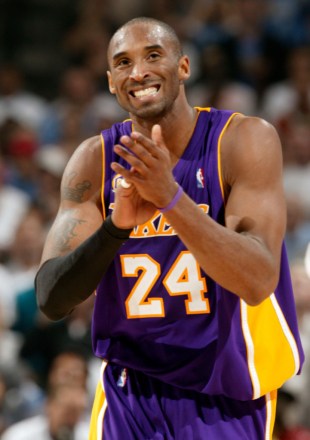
(64, 282)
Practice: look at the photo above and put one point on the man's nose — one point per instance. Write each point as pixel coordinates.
(138, 72)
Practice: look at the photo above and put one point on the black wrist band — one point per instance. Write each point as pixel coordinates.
(114, 231)
(64, 282)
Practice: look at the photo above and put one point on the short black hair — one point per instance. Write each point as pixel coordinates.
(166, 27)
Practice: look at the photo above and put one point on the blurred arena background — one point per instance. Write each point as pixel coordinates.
(252, 56)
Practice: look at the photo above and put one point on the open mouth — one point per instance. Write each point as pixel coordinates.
(143, 93)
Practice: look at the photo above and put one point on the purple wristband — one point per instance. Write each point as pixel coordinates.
(174, 201)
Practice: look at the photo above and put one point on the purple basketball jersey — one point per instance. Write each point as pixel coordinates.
(157, 312)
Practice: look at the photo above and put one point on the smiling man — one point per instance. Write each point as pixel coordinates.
(176, 218)
(151, 95)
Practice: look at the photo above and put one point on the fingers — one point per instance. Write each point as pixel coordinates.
(143, 154)
(138, 167)
(125, 184)
(157, 135)
(138, 153)
(140, 144)
(119, 169)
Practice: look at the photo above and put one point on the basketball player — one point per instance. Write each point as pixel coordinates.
(176, 218)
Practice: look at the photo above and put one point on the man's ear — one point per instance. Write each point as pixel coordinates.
(184, 68)
(111, 86)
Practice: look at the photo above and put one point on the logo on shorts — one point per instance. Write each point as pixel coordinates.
(122, 378)
(200, 178)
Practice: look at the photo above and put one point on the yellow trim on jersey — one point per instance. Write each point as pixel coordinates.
(219, 144)
(98, 409)
(268, 339)
(203, 109)
(266, 333)
(271, 405)
(103, 178)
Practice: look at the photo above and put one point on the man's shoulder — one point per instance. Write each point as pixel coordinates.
(243, 125)
(249, 142)
(85, 166)
(89, 150)
(89, 145)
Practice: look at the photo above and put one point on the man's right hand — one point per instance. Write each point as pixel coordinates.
(130, 209)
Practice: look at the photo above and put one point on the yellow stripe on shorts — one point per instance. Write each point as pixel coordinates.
(98, 409)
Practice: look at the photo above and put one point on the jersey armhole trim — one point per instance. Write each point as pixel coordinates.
(219, 163)
(104, 214)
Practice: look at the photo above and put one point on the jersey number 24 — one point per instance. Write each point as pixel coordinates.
(183, 278)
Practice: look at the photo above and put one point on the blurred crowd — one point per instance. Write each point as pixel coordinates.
(252, 56)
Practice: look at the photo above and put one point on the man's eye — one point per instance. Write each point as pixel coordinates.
(122, 62)
(154, 55)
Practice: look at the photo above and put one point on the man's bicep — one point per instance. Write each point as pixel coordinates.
(79, 213)
(256, 203)
(257, 212)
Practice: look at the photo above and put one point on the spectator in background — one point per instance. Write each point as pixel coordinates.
(254, 56)
(87, 39)
(7, 303)
(239, 55)
(291, 96)
(78, 110)
(47, 339)
(217, 87)
(17, 102)
(14, 204)
(217, 83)
(20, 148)
(71, 366)
(10, 341)
(68, 367)
(297, 234)
(50, 161)
(294, 415)
(258, 53)
(24, 254)
(295, 134)
(22, 261)
(21, 398)
(289, 21)
(62, 420)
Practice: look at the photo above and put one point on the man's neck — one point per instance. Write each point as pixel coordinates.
(177, 129)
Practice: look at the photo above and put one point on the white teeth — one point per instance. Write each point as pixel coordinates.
(146, 92)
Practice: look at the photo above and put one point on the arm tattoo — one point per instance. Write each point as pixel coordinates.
(76, 193)
(62, 241)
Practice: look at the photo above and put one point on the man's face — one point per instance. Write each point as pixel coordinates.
(65, 410)
(145, 70)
